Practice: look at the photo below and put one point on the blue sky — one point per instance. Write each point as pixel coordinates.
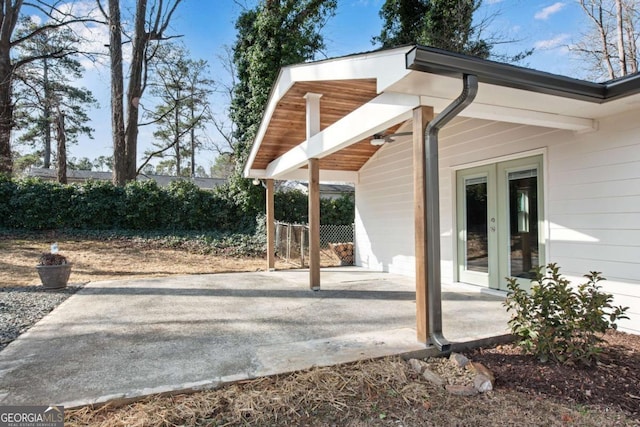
(208, 25)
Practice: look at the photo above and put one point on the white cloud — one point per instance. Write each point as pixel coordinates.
(36, 19)
(549, 10)
(552, 43)
(494, 1)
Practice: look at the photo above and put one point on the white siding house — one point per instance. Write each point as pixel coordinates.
(592, 200)
(537, 168)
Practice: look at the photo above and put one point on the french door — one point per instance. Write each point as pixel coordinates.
(499, 216)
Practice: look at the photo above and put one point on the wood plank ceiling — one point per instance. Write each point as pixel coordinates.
(287, 128)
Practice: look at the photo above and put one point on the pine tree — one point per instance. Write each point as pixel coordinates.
(44, 89)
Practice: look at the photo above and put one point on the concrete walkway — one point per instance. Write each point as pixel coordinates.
(124, 339)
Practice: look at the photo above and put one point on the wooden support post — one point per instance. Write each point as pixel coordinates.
(421, 118)
(314, 224)
(312, 128)
(271, 247)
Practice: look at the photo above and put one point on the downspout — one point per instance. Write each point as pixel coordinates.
(432, 214)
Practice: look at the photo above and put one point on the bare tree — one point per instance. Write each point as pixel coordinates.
(150, 24)
(56, 16)
(610, 45)
(223, 122)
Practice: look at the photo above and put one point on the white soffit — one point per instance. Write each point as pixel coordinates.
(515, 115)
(512, 105)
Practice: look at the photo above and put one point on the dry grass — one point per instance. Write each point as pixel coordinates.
(95, 260)
(383, 392)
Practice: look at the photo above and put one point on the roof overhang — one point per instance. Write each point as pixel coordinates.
(369, 93)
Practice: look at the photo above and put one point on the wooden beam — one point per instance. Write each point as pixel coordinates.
(421, 117)
(314, 224)
(382, 112)
(271, 247)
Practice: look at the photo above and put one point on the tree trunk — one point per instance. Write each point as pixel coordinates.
(605, 44)
(193, 151)
(62, 149)
(176, 124)
(47, 115)
(134, 91)
(6, 110)
(117, 93)
(622, 54)
(632, 39)
(193, 138)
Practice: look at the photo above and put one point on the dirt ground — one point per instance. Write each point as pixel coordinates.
(95, 260)
(383, 392)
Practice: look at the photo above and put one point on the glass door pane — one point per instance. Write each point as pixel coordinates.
(521, 213)
(477, 227)
(476, 218)
(523, 223)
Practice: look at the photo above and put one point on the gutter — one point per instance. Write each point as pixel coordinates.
(431, 185)
(438, 61)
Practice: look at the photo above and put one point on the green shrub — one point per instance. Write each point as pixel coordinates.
(146, 206)
(40, 205)
(97, 205)
(33, 204)
(7, 188)
(559, 323)
(291, 206)
(340, 211)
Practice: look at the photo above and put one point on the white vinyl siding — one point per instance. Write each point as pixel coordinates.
(592, 199)
(384, 211)
(594, 208)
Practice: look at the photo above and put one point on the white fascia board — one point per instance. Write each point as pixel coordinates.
(387, 67)
(516, 115)
(375, 116)
(303, 175)
(283, 83)
(326, 176)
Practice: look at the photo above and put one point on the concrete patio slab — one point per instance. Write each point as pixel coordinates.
(125, 339)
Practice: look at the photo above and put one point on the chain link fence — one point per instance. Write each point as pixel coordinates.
(336, 243)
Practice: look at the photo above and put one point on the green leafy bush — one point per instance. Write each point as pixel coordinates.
(7, 188)
(33, 204)
(97, 205)
(340, 211)
(40, 205)
(558, 322)
(146, 206)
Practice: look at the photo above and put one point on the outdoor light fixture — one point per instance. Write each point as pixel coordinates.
(379, 139)
(257, 182)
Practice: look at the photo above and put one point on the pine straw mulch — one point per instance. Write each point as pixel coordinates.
(387, 392)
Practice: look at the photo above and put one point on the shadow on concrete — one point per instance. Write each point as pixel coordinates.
(255, 293)
(288, 293)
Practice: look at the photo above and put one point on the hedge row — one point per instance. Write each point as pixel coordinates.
(33, 204)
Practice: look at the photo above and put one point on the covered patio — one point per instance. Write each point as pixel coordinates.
(340, 120)
(119, 340)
